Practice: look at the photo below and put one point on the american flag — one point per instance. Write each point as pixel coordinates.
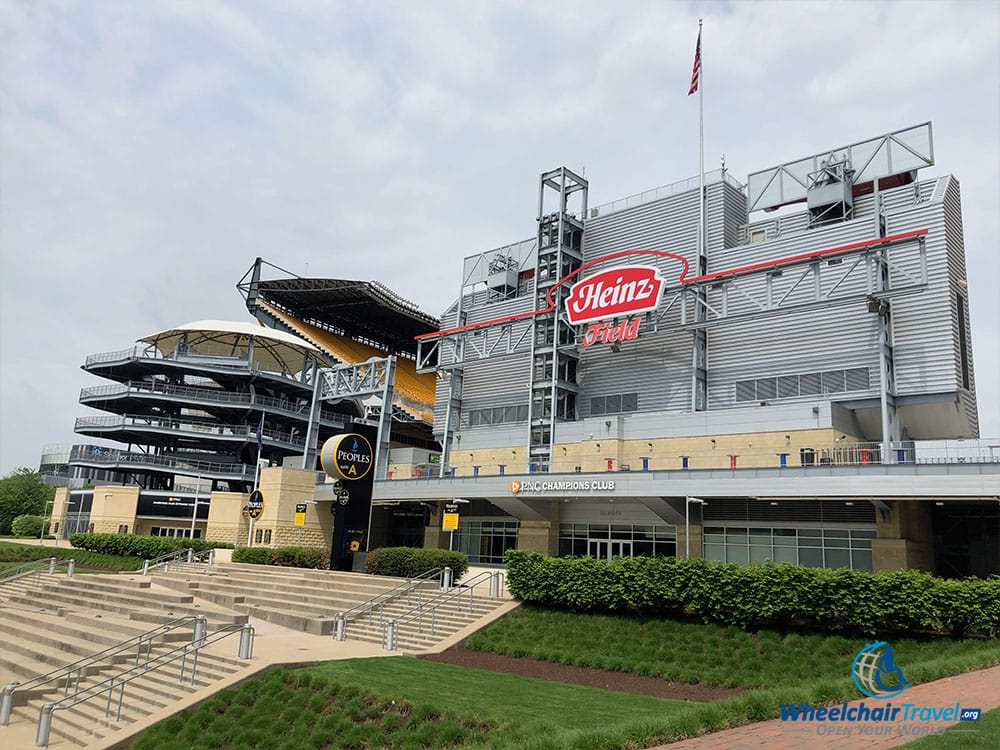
(696, 70)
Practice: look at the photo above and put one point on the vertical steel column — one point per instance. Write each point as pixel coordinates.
(312, 431)
(453, 406)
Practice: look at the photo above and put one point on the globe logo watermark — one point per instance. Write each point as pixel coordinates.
(875, 672)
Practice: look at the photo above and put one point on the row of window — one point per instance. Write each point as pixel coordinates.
(806, 384)
(815, 548)
(498, 415)
(608, 541)
(618, 403)
(171, 531)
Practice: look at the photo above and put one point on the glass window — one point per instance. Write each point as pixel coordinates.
(862, 560)
(811, 557)
(597, 405)
(838, 558)
(715, 552)
(613, 404)
(630, 402)
(737, 554)
(786, 554)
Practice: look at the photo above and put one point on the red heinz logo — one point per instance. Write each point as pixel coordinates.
(625, 290)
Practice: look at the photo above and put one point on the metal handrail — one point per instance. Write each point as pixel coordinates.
(120, 680)
(73, 672)
(188, 554)
(34, 566)
(206, 427)
(380, 600)
(431, 607)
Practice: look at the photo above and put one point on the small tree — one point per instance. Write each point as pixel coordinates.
(27, 526)
(22, 492)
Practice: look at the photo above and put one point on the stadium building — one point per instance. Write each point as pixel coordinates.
(780, 371)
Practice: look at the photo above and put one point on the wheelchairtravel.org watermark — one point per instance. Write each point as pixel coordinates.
(877, 676)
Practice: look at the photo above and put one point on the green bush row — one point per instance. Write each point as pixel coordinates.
(760, 595)
(146, 547)
(410, 562)
(287, 557)
(18, 553)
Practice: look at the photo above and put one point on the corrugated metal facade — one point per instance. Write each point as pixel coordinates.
(657, 365)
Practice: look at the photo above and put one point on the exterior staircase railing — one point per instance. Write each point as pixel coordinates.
(119, 681)
(163, 562)
(35, 568)
(426, 612)
(378, 602)
(72, 673)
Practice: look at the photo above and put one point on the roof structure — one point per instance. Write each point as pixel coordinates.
(361, 310)
(274, 350)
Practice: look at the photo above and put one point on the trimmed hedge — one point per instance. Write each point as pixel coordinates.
(410, 562)
(18, 553)
(146, 547)
(287, 557)
(760, 595)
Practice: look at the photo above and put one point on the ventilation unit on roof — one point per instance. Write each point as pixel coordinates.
(830, 191)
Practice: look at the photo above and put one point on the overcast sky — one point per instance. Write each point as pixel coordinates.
(149, 151)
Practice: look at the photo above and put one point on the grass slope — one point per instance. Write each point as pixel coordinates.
(402, 702)
(711, 654)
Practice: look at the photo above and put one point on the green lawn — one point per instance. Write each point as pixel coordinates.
(407, 702)
(984, 733)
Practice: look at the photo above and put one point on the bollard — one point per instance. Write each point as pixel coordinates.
(52, 565)
(190, 554)
(44, 725)
(70, 568)
(198, 636)
(390, 635)
(446, 579)
(211, 556)
(339, 627)
(494, 584)
(7, 702)
(246, 642)
(145, 567)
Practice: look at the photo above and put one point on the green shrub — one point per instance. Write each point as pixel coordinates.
(410, 562)
(146, 547)
(754, 596)
(288, 557)
(28, 525)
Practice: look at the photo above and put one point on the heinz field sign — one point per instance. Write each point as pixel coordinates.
(616, 293)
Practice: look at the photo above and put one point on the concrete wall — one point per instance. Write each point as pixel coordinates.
(752, 449)
(114, 509)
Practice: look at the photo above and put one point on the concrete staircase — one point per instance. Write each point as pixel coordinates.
(308, 600)
(47, 622)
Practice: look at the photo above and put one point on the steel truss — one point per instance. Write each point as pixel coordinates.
(351, 381)
(870, 272)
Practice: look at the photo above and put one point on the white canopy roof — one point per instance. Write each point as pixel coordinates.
(273, 350)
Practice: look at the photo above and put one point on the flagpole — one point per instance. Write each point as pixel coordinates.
(702, 253)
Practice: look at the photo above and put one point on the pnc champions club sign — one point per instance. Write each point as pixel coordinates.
(349, 456)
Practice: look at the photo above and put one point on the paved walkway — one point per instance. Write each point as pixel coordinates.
(972, 690)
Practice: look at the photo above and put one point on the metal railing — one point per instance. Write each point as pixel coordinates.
(35, 568)
(378, 602)
(427, 611)
(647, 196)
(72, 673)
(207, 428)
(162, 563)
(119, 681)
(113, 456)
